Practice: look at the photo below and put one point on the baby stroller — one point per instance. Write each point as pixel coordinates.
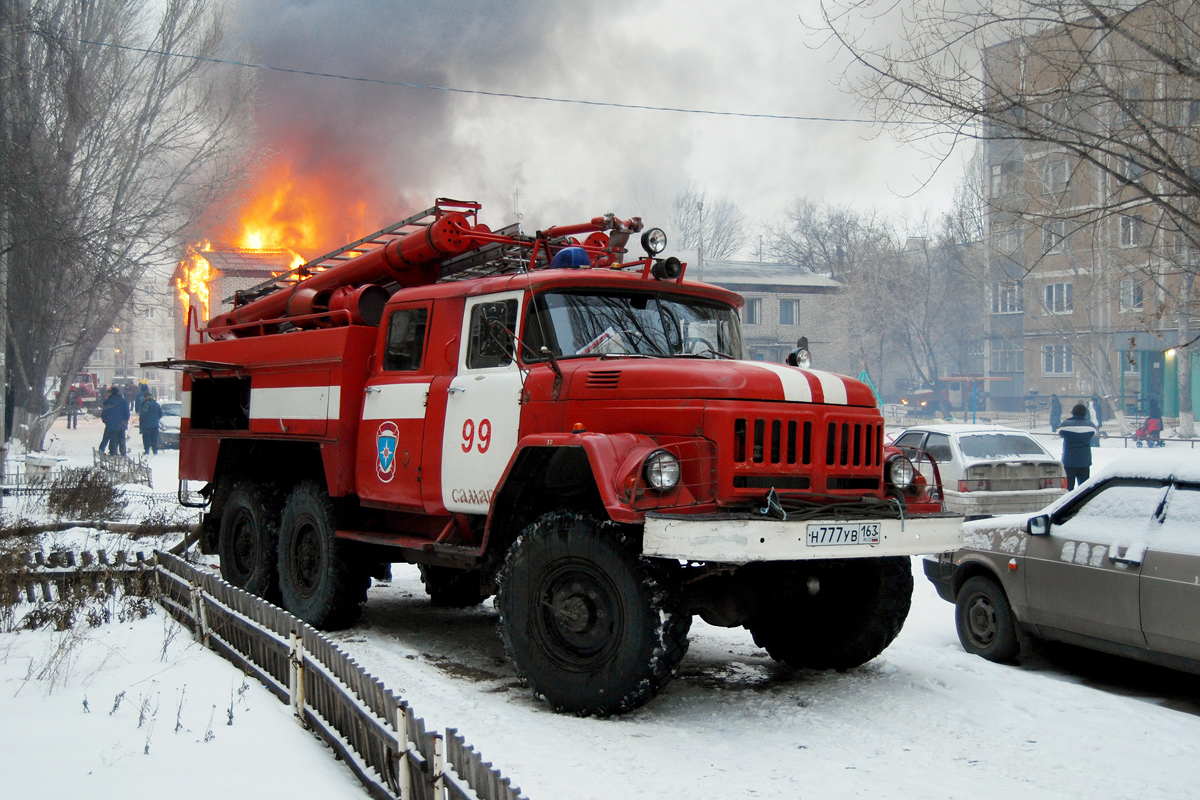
(1150, 433)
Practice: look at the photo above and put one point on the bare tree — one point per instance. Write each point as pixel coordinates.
(913, 289)
(1090, 111)
(714, 224)
(111, 149)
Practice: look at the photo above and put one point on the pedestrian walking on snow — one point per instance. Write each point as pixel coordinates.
(1077, 433)
(115, 416)
(1055, 413)
(148, 419)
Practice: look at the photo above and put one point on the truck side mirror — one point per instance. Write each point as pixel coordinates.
(1037, 526)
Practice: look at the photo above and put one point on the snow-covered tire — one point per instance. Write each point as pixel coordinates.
(858, 610)
(590, 624)
(319, 580)
(985, 622)
(248, 539)
(452, 588)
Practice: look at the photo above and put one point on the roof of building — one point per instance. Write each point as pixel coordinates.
(250, 263)
(750, 275)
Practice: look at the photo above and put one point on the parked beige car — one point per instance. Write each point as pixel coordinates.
(1113, 566)
(985, 469)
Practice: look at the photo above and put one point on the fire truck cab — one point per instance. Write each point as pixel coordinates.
(579, 435)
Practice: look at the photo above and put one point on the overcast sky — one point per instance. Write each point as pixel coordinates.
(399, 148)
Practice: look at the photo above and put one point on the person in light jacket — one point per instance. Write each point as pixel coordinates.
(1077, 432)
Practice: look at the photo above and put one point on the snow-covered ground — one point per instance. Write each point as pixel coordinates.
(922, 720)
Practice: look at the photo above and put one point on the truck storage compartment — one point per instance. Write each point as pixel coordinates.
(221, 404)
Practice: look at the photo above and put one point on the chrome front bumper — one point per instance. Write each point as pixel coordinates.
(729, 540)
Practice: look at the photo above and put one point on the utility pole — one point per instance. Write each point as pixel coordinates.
(700, 237)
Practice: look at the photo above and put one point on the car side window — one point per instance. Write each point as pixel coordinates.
(405, 340)
(938, 448)
(1118, 511)
(491, 343)
(910, 440)
(1180, 530)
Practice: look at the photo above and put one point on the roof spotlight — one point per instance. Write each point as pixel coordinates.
(654, 241)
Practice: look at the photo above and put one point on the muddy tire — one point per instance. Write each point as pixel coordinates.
(590, 625)
(248, 539)
(319, 579)
(985, 622)
(858, 610)
(452, 588)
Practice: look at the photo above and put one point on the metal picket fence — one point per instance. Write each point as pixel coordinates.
(375, 732)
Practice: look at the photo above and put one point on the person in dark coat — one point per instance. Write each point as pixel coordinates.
(142, 396)
(115, 416)
(74, 403)
(1077, 432)
(148, 419)
(1055, 413)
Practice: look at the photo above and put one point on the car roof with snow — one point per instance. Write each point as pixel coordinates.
(963, 427)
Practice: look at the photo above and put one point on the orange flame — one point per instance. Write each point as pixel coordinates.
(196, 274)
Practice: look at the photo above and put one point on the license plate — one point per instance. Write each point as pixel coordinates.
(842, 533)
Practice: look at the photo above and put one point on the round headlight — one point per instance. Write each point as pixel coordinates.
(900, 472)
(654, 241)
(662, 470)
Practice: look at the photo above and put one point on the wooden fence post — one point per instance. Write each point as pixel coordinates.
(439, 766)
(403, 761)
(296, 676)
(199, 613)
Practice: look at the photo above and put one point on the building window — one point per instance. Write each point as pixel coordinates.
(1004, 178)
(148, 313)
(1131, 295)
(1060, 298)
(1054, 176)
(1131, 230)
(1008, 356)
(752, 311)
(1054, 236)
(788, 312)
(1057, 359)
(1007, 299)
(1131, 171)
(1007, 240)
(149, 375)
(1132, 363)
(1193, 112)
(147, 355)
(1183, 251)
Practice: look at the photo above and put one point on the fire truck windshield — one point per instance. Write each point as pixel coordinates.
(593, 323)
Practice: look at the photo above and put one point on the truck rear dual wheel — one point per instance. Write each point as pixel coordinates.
(859, 608)
(247, 541)
(591, 625)
(319, 579)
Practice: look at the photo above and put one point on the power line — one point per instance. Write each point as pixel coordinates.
(482, 92)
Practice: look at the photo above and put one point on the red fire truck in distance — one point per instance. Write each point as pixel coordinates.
(545, 419)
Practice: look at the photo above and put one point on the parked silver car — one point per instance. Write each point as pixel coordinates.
(168, 426)
(985, 469)
(1112, 566)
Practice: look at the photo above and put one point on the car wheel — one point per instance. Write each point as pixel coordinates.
(857, 610)
(985, 622)
(320, 582)
(590, 624)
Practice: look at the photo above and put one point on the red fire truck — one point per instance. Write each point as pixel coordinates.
(549, 420)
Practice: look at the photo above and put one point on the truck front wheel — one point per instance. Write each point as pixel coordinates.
(856, 610)
(247, 539)
(590, 624)
(321, 583)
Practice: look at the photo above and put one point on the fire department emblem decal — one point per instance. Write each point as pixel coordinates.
(385, 445)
